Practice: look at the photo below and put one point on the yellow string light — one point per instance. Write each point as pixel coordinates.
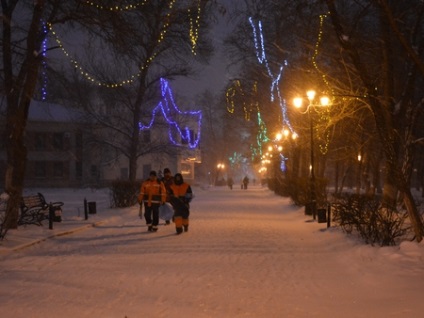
(231, 92)
(237, 89)
(325, 114)
(116, 8)
(316, 51)
(132, 78)
(194, 22)
(194, 27)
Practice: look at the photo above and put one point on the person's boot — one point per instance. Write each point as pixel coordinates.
(179, 230)
(150, 228)
(185, 228)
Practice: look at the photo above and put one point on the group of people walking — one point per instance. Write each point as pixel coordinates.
(156, 193)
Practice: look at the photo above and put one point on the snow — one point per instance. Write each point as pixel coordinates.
(249, 253)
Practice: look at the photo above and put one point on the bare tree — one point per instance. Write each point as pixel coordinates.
(382, 99)
(153, 42)
(371, 65)
(24, 28)
(139, 38)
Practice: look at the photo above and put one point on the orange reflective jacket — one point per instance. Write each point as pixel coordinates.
(182, 191)
(152, 192)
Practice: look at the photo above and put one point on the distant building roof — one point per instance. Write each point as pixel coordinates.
(45, 111)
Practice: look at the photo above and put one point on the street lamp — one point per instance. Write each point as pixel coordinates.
(323, 101)
(220, 166)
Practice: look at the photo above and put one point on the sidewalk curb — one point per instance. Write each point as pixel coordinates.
(37, 241)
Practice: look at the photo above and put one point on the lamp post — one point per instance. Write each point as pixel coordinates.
(220, 166)
(323, 101)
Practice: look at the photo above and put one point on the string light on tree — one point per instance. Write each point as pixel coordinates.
(170, 112)
(116, 8)
(44, 63)
(316, 51)
(132, 78)
(194, 21)
(235, 91)
(194, 27)
(91, 78)
(275, 78)
(324, 116)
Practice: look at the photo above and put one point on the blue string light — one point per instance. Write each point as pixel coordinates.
(258, 39)
(275, 79)
(44, 64)
(169, 109)
(283, 165)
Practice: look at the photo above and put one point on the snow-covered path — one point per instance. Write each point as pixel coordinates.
(247, 254)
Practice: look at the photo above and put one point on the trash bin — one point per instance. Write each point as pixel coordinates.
(57, 214)
(92, 207)
(322, 215)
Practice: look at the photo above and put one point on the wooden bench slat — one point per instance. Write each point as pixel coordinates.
(34, 209)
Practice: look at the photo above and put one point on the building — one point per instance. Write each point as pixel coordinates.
(62, 154)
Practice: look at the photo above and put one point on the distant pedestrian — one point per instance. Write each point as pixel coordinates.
(230, 183)
(245, 182)
(180, 199)
(152, 194)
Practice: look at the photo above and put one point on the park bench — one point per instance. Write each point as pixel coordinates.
(35, 209)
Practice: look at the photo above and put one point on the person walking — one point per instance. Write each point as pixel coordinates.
(152, 194)
(181, 196)
(245, 182)
(230, 183)
(167, 180)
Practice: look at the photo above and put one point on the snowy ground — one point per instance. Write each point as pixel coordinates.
(247, 254)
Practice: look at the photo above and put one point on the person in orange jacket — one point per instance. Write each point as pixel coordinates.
(167, 180)
(181, 196)
(152, 194)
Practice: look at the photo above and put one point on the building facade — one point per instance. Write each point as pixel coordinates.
(61, 155)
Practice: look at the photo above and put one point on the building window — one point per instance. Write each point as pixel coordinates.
(93, 171)
(40, 169)
(78, 169)
(58, 169)
(58, 141)
(40, 141)
(78, 141)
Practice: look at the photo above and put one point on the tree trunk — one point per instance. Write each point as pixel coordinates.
(19, 92)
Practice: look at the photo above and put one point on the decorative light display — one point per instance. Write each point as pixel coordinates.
(237, 90)
(261, 137)
(170, 111)
(283, 159)
(90, 77)
(325, 114)
(194, 27)
(44, 64)
(258, 39)
(116, 8)
(194, 22)
(316, 50)
(235, 158)
(194, 34)
(275, 79)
